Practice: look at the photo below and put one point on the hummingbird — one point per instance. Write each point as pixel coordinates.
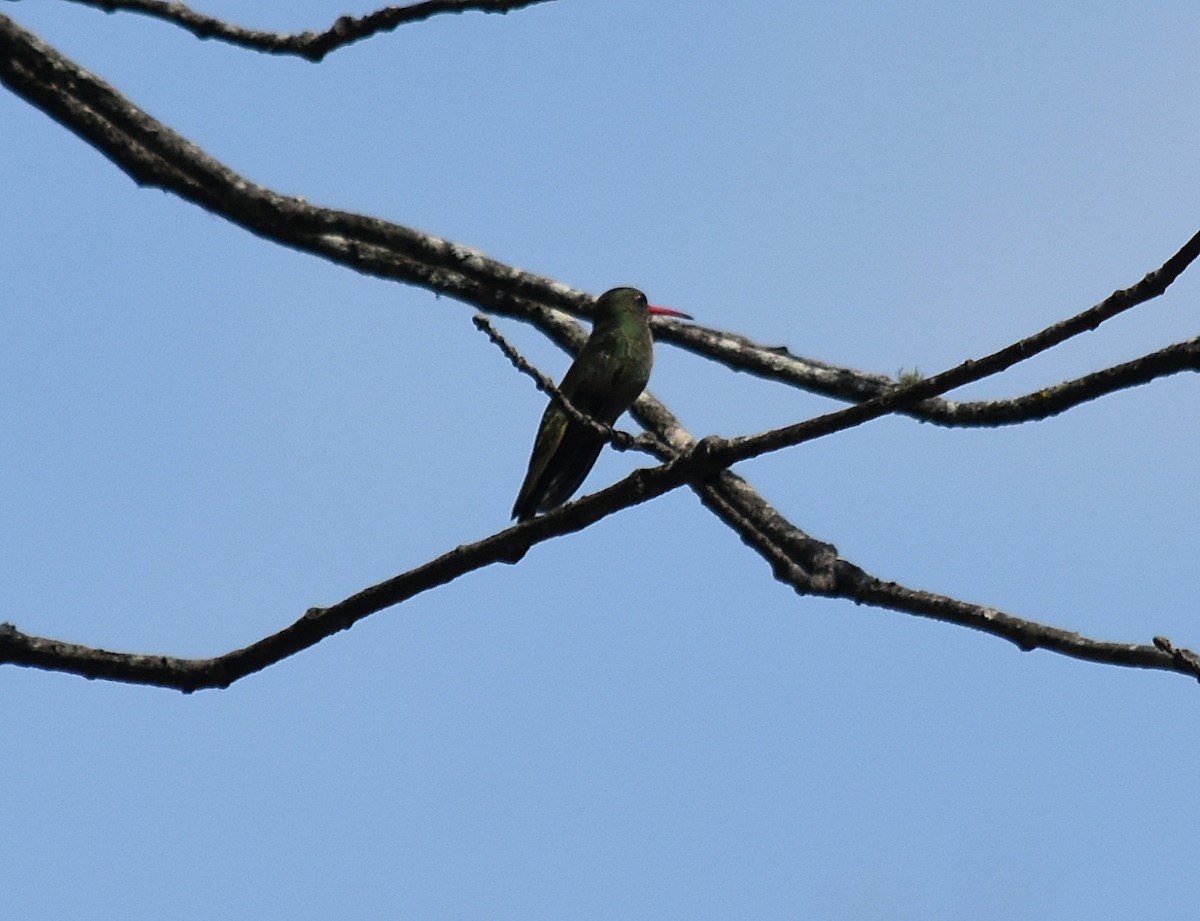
(606, 377)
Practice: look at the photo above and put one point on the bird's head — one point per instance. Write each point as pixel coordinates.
(618, 302)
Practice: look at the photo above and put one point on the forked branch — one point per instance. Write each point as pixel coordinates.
(154, 155)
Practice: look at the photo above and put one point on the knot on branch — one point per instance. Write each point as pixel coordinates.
(708, 456)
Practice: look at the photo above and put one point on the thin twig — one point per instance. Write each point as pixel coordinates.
(312, 46)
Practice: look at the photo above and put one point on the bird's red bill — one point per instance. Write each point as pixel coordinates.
(668, 312)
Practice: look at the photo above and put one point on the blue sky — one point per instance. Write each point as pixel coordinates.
(206, 434)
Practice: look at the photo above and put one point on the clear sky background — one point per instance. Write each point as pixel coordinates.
(205, 434)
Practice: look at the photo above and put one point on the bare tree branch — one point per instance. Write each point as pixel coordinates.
(312, 46)
(777, 363)
(1151, 286)
(1051, 401)
(510, 545)
(154, 155)
(1026, 634)
(189, 675)
(718, 453)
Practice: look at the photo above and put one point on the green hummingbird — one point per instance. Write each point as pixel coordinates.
(607, 376)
